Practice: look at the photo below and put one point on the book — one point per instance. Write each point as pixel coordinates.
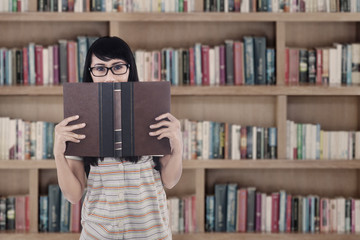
(118, 117)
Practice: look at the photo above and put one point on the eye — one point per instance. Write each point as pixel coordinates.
(118, 67)
(99, 69)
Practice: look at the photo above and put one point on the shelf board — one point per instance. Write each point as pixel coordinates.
(197, 236)
(178, 17)
(214, 164)
(207, 91)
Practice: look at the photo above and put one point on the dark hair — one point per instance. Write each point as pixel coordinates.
(107, 48)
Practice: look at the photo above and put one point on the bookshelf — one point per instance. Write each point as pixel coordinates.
(334, 107)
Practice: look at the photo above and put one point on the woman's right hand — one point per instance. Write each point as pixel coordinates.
(63, 133)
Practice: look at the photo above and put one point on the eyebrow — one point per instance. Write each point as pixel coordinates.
(102, 64)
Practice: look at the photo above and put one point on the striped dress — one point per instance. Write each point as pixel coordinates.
(125, 201)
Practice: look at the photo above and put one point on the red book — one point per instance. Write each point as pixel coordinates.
(238, 63)
(205, 64)
(222, 64)
(26, 66)
(71, 5)
(71, 61)
(275, 213)
(193, 213)
(76, 217)
(27, 212)
(288, 213)
(56, 64)
(39, 65)
(287, 66)
(319, 63)
(186, 6)
(192, 66)
(293, 66)
(242, 210)
(18, 3)
(20, 219)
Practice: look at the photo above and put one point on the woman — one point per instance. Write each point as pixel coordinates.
(125, 197)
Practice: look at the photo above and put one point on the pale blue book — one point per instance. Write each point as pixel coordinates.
(305, 215)
(282, 215)
(231, 207)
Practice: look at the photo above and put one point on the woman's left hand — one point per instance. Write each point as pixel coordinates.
(170, 128)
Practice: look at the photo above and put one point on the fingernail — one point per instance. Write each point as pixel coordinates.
(151, 126)
(151, 133)
(84, 124)
(77, 116)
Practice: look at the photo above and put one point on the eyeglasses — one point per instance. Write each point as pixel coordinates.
(102, 71)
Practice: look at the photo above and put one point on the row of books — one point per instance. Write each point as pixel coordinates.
(337, 65)
(233, 209)
(39, 65)
(14, 5)
(233, 63)
(116, 5)
(15, 213)
(182, 214)
(56, 214)
(216, 140)
(308, 141)
(25, 140)
(246, 6)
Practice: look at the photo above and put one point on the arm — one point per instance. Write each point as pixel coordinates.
(70, 173)
(171, 165)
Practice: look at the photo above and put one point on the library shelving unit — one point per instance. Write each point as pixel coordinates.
(334, 107)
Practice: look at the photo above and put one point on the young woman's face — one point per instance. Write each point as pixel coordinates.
(118, 67)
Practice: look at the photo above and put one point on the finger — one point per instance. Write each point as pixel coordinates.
(71, 139)
(166, 115)
(161, 124)
(69, 119)
(158, 132)
(74, 135)
(74, 127)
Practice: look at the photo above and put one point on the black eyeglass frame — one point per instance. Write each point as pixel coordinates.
(111, 69)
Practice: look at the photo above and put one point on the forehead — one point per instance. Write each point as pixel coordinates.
(96, 60)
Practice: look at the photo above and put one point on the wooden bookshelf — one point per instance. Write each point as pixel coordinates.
(334, 107)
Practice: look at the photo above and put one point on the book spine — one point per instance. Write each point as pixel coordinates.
(43, 214)
(64, 214)
(220, 207)
(2, 213)
(39, 64)
(229, 45)
(251, 209)
(249, 61)
(231, 208)
(20, 221)
(260, 60)
(258, 212)
(210, 213)
(117, 120)
(205, 65)
(25, 66)
(63, 60)
(56, 73)
(54, 208)
(222, 64)
(10, 213)
(127, 115)
(275, 213)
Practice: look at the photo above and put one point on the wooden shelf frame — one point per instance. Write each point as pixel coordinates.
(112, 24)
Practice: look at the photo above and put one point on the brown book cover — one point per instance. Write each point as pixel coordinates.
(118, 117)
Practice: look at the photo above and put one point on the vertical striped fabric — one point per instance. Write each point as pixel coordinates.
(125, 201)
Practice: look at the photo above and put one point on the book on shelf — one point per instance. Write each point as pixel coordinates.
(247, 6)
(182, 214)
(234, 62)
(282, 212)
(309, 141)
(214, 140)
(114, 6)
(15, 213)
(118, 117)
